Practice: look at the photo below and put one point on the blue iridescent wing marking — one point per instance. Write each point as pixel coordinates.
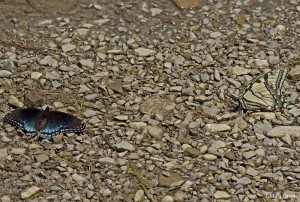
(47, 123)
(60, 122)
(24, 119)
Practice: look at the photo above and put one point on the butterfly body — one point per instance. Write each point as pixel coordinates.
(264, 93)
(45, 123)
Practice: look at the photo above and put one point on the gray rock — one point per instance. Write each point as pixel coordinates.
(78, 178)
(144, 52)
(155, 11)
(155, 131)
(31, 191)
(125, 146)
(243, 181)
(237, 70)
(248, 154)
(107, 160)
(221, 195)
(68, 47)
(295, 112)
(5, 198)
(281, 131)
(3, 153)
(188, 91)
(139, 196)
(176, 89)
(210, 157)
(215, 34)
(167, 199)
(217, 127)
(5, 74)
(17, 151)
(210, 111)
(36, 75)
(67, 196)
(262, 128)
(52, 75)
(216, 145)
(15, 102)
(121, 117)
(87, 63)
(261, 63)
(101, 21)
(252, 171)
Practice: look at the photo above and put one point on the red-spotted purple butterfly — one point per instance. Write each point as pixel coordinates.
(44, 123)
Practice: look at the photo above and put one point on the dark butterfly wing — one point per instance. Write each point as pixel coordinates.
(24, 119)
(58, 122)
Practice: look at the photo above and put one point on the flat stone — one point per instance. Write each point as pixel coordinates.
(215, 34)
(179, 196)
(261, 63)
(121, 117)
(295, 72)
(30, 192)
(82, 31)
(3, 153)
(36, 75)
(252, 171)
(116, 85)
(125, 146)
(210, 157)
(5, 74)
(243, 180)
(217, 127)
(15, 102)
(281, 131)
(287, 139)
(155, 131)
(137, 125)
(192, 151)
(101, 21)
(87, 63)
(167, 199)
(107, 160)
(249, 154)
(43, 157)
(264, 115)
(237, 70)
(78, 178)
(144, 52)
(295, 112)
(5, 198)
(54, 75)
(221, 195)
(167, 181)
(67, 196)
(68, 47)
(188, 91)
(210, 111)
(17, 151)
(176, 89)
(157, 105)
(139, 196)
(155, 11)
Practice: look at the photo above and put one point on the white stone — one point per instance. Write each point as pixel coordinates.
(143, 52)
(217, 127)
(68, 47)
(36, 75)
(30, 192)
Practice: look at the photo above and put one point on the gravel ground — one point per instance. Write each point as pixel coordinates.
(154, 84)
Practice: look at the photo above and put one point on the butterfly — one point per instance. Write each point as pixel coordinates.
(44, 123)
(264, 93)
